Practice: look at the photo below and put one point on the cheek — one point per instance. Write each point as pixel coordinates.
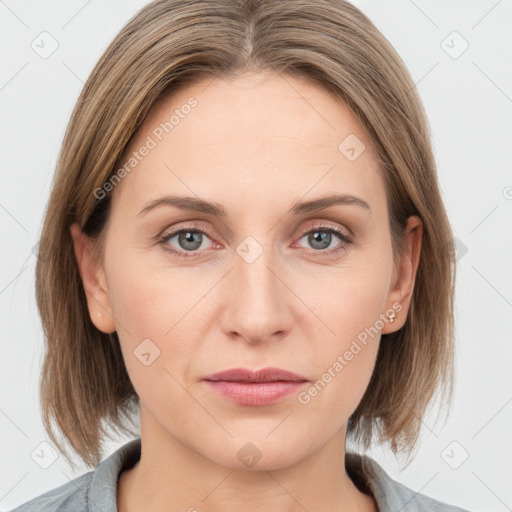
(156, 310)
(348, 298)
(345, 364)
(148, 300)
(351, 309)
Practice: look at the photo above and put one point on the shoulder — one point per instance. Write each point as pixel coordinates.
(389, 494)
(91, 492)
(72, 495)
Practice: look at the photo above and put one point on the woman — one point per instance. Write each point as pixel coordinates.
(246, 241)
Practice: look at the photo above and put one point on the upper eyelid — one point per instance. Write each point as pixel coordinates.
(325, 225)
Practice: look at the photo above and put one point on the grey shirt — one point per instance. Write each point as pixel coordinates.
(96, 490)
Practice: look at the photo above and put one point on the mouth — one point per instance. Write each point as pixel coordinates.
(255, 387)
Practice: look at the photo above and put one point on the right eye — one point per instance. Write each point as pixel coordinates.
(189, 239)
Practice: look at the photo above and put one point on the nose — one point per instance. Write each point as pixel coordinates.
(257, 300)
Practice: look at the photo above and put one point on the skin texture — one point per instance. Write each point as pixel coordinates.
(255, 145)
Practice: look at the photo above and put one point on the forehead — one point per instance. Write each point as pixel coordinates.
(259, 132)
(263, 106)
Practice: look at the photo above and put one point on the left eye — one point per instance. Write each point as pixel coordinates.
(321, 237)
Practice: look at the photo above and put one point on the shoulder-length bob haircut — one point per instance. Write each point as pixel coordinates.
(85, 388)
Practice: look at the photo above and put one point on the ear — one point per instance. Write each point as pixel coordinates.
(402, 287)
(93, 279)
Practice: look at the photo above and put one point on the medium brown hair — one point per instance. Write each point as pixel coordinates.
(85, 388)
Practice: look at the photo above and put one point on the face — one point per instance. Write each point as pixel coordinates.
(267, 284)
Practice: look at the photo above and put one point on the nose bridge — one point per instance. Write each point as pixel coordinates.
(257, 298)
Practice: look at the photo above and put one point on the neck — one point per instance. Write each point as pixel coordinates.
(173, 476)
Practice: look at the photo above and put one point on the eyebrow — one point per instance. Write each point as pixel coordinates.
(210, 208)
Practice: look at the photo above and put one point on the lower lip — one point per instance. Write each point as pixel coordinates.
(255, 393)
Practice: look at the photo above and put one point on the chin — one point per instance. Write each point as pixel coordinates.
(257, 453)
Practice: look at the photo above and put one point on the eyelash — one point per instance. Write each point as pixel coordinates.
(194, 228)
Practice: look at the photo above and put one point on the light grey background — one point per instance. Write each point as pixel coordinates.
(468, 98)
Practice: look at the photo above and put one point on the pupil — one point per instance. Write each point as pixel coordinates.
(321, 237)
(188, 238)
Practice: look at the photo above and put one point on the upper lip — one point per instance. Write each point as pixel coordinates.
(262, 375)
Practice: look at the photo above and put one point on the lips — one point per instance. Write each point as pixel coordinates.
(255, 387)
(255, 376)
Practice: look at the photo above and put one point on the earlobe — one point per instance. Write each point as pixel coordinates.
(93, 280)
(400, 295)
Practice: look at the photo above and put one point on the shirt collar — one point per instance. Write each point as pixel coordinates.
(103, 489)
